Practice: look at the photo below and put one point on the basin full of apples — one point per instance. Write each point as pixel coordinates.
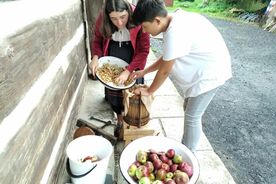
(158, 160)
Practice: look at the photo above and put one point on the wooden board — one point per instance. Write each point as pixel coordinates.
(33, 48)
(131, 133)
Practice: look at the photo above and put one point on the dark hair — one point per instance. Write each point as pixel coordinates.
(147, 10)
(108, 28)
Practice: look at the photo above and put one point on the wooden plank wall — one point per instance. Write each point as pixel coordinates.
(43, 59)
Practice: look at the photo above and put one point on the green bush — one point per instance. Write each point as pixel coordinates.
(216, 6)
(220, 7)
(251, 5)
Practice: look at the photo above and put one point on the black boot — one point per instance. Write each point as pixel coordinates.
(118, 131)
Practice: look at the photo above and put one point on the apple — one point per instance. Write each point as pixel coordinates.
(142, 156)
(170, 181)
(141, 171)
(149, 165)
(153, 156)
(170, 153)
(181, 166)
(164, 158)
(170, 162)
(137, 163)
(157, 182)
(151, 176)
(144, 180)
(165, 166)
(131, 170)
(177, 159)
(152, 151)
(161, 174)
(173, 167)
(185, 167)
(157, 164)
(161, 152)
(180, 177)
(169, 175)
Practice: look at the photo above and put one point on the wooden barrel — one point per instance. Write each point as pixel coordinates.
(137, 114)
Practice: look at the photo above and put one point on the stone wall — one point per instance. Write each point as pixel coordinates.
(43, 70)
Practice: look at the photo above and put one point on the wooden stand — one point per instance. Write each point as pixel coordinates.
(131, 133)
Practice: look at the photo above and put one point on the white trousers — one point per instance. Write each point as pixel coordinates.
(194, 108)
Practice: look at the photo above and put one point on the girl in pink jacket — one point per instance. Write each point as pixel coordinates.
(116, 35)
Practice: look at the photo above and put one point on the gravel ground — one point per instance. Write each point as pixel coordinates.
(240, 122)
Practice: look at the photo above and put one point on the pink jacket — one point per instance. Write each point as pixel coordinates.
(140, 42)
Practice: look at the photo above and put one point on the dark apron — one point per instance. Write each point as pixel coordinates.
(125, 52)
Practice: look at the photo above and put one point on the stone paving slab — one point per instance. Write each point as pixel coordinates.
(173, 127)
(165, 106)
(212, 170)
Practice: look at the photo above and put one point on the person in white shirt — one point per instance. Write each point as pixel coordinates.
(195, 54)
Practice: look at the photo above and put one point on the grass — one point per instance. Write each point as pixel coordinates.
(218, 9)
(214, 10)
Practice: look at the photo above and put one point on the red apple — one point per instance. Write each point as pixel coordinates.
(161, 174)
(141, 171)
(152, 151)
(171, 181)
(170, 153)
(181, 166)
(185, 167)
(173, 167)
(137, 163)
(150, 166)
(164, 158)
(161, 152)
(165, 166)
(170, 162)
(157, 164)
(153, 156)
